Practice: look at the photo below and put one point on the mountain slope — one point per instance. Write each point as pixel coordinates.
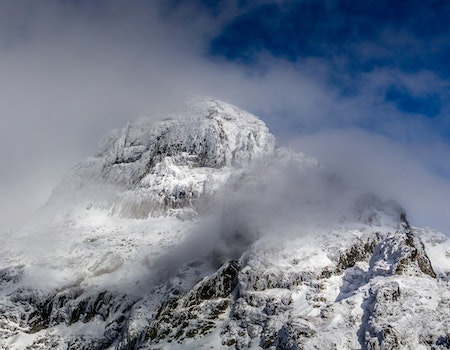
(197, 232)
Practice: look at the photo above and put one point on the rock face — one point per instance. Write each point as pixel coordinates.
(163, 168)
(197, 232)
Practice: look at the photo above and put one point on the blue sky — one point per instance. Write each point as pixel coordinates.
(361, 85)
(355, 39)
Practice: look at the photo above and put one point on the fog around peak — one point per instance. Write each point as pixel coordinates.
(284, 197)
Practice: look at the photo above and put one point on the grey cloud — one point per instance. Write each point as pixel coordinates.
(69, 74)
(391, 169)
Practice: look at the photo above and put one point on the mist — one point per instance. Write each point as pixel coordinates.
(277, 200)
(388, 168)
(72, 70)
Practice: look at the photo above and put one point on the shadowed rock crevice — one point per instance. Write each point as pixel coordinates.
(42, 310)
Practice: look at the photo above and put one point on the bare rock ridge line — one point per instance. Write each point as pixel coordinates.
(197, 231)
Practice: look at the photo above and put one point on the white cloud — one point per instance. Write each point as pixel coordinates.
(70, 72)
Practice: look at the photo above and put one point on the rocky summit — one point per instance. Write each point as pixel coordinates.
(198, 232)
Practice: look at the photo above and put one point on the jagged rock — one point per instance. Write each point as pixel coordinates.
(360, 251)
(219, 285)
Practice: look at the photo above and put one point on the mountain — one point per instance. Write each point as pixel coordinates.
(198, 231)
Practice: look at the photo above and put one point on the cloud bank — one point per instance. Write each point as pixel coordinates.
(72, 70)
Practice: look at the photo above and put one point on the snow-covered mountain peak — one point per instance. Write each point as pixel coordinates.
(205, 133)
(163, 167)
(197, 232)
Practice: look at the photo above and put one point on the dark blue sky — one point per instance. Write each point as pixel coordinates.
(356, 37)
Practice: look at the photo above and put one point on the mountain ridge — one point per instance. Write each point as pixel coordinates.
(198, 232)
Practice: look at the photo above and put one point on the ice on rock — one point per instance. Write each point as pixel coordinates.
(162, 168)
